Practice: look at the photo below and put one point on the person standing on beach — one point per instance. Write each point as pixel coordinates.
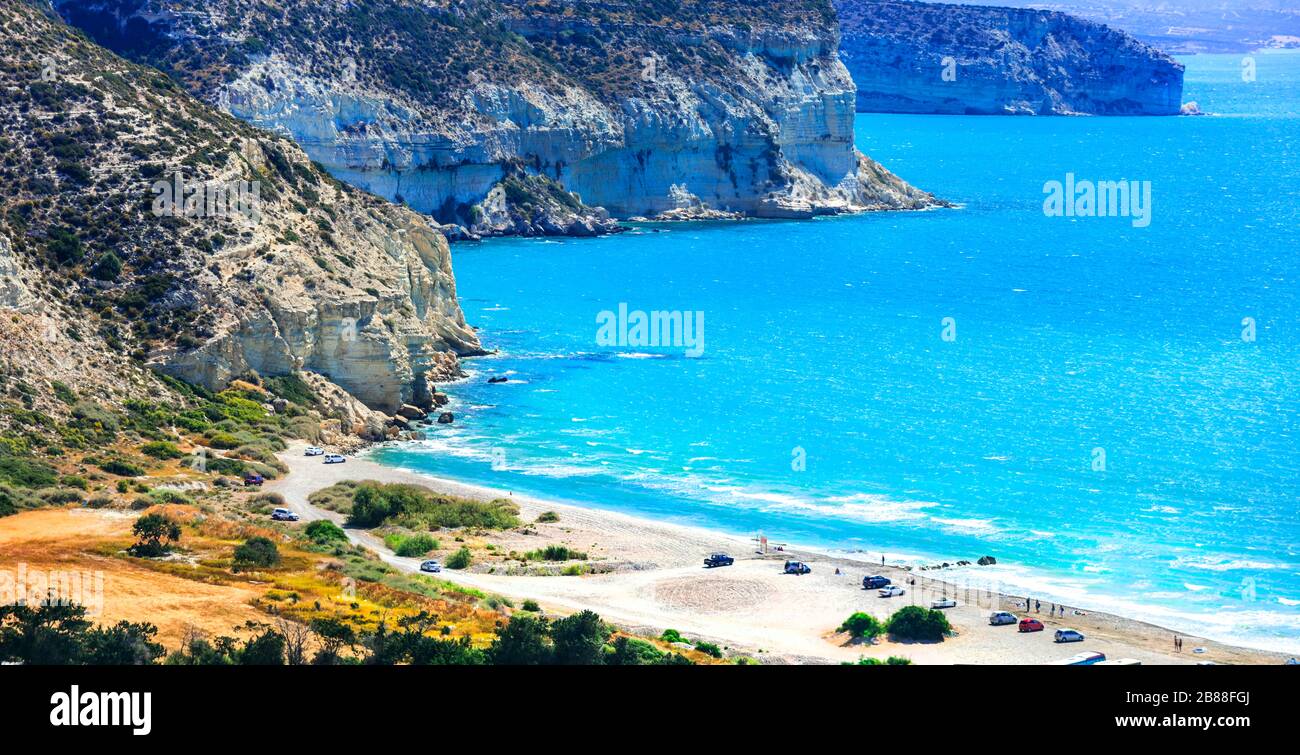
(1038, 606)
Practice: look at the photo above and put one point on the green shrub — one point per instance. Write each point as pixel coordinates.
(324, 531)
(74, 481)
(121, 468)
(223, 441)
(60, 496)
(417, 507)
(461, 559)
(531, 605)
(919, 624)
(862, 626)
(555, 553)
(63, 393)
(411, 546)
(169, 495)
(548, 516)
(161, 449)
(257, 552)
(25, 473)
(672, 635)
(708, 648)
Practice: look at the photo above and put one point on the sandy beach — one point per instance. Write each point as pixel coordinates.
(656, 581)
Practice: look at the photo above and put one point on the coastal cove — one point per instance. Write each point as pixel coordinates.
(829, 410)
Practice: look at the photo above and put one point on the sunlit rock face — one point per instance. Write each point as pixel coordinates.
(731, 105)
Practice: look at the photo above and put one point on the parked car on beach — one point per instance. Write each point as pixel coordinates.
(284, 515)
(874, 582)
(944, 603)
(1069, 635)
(1002, 617)
(1031, 625)
(797, 567)
(891, 591)
(314, 451)
(334, 459)
(719, 559)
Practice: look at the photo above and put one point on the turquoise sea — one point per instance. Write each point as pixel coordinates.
(1099, 423)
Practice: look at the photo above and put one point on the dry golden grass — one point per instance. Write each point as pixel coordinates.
(197, 587)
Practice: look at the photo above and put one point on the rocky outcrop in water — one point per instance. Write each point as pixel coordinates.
(629, 106)
(261, 262)
(908, 57)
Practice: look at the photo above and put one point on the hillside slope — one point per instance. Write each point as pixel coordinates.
(640, 108)
(910, 57)
(263, 262)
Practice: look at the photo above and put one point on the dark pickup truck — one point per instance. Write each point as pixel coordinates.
(719, 559)
(874, 583)
(797, 567)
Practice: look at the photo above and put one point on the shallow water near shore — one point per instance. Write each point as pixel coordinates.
(828, 409)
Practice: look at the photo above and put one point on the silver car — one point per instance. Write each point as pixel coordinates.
(1069, 635)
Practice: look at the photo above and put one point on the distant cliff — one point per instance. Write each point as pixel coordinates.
(908, 57)
(464, 109)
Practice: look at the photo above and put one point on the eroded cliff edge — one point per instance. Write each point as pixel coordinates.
(910, 57)
(101, 280)
(722, 105)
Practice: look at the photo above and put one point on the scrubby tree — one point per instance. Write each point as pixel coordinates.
(265, 649)
(334, 635)
(579, 639)
(156, 533)
(58, 634)
(521, 642)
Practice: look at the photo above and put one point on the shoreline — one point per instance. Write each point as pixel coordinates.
(656, 581)
(1010, 579)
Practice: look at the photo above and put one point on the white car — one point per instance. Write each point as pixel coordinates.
(1002, 618)
(314, 451)
(334, 459)
(284, 515)
(430, 566)
(1069, 635)
(891, 591)
(944, 603)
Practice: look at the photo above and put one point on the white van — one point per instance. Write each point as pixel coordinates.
(1119, 662)
(1082, 659)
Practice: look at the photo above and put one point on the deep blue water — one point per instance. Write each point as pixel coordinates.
(1074, 337)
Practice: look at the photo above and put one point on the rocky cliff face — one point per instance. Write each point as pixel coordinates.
(260, 262)
(634, 107)
(908, 57)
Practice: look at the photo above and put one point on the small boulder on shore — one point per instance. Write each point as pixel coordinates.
(501, 379)
(446, 418)
(411, 412)
(986, 561)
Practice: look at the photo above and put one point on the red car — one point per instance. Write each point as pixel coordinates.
(1031, 625)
